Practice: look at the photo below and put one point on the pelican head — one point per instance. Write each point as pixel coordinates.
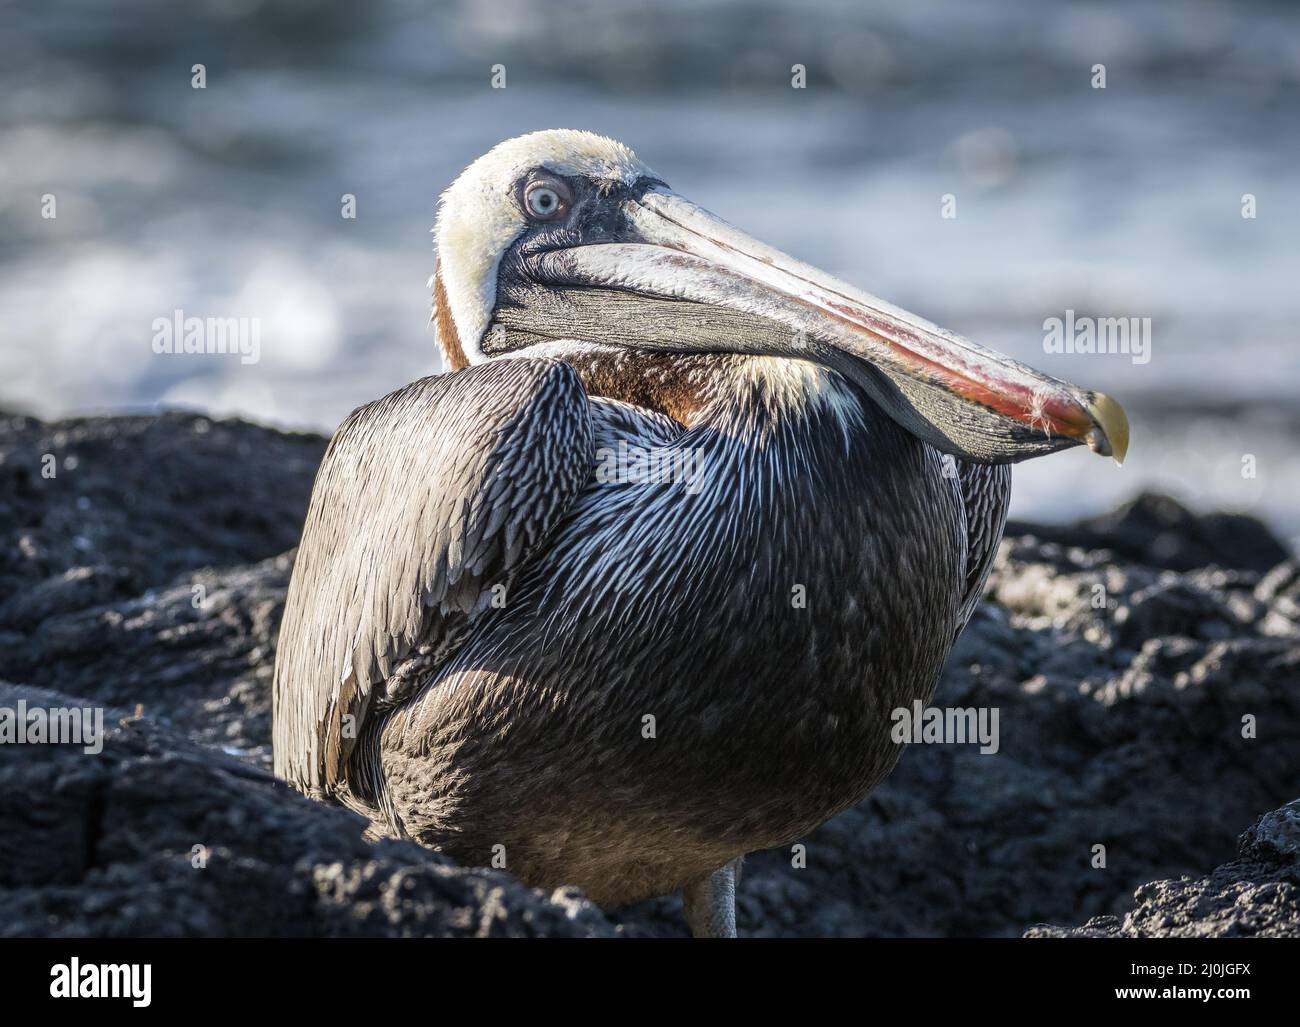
(564, 238)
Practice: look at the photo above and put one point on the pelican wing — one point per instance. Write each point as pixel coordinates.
(986, 494)
(425, 499)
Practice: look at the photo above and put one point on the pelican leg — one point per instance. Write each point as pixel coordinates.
(711, 903)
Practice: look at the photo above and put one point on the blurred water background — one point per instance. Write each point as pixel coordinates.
(225, 201)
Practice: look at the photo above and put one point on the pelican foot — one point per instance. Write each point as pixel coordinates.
(711, 903)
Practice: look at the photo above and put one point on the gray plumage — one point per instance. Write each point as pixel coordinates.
(423, 500)
(768, 624)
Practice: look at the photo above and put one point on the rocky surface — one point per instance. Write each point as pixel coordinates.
(1256, 895)
(1145, 667)
(161, 836)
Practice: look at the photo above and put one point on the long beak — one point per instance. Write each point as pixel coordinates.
(957, 395)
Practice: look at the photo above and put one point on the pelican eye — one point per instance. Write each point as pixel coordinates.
(543, 202)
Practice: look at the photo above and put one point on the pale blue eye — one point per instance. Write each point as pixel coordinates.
(543, 201)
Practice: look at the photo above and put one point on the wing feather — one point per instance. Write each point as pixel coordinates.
(986, 494)
(423, 501)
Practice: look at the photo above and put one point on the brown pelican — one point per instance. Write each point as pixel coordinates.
(627, 680)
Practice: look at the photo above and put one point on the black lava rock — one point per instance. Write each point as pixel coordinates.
(1256, 895)
(1158, 531)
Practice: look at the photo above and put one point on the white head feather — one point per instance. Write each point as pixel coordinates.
(478, 217)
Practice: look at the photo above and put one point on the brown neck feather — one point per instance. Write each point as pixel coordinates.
(452, 351)
(674, 384)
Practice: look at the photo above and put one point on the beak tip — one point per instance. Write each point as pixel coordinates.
(1110, 436)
